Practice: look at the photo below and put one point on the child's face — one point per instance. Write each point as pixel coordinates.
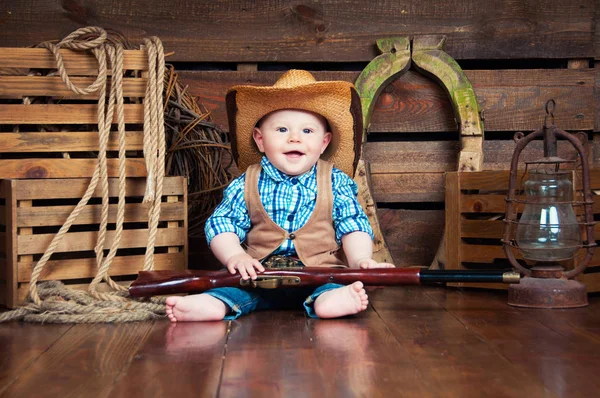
(293, 140)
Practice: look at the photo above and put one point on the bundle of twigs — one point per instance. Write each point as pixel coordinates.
(197, 149)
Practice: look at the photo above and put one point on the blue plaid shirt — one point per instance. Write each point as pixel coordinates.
(289, 202)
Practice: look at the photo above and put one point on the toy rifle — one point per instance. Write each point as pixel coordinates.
(151, 283)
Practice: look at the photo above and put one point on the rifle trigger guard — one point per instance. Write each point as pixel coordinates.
(270, 282)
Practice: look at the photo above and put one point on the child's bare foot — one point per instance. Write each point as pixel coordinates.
(346, 300)
(198, 307)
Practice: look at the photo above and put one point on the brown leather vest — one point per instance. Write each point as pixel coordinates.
(315, 242)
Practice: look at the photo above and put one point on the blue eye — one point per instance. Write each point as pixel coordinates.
(307, 131)
(282, 129)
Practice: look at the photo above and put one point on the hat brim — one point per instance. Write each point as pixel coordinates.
(337, 101)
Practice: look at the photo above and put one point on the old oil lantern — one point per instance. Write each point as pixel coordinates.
(548, 232)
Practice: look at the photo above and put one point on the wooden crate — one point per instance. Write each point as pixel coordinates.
(475, 206)
(32, 211)
(55, 136)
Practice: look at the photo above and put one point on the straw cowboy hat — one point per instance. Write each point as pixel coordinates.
(337, 101)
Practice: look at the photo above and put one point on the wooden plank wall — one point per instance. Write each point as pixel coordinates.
(517, 55)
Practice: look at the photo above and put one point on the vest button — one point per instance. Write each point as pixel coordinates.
(292, 236)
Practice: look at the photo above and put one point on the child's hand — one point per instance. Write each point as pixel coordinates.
(245, 264)
(368, 263)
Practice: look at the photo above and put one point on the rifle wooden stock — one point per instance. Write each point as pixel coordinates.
(151, 283)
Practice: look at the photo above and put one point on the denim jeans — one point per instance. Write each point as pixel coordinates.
(242, 302)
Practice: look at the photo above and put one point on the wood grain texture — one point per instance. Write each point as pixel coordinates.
(412, 341)
(288, 362)
(64, 114)
(80, 241)
(22, 345)
(357, 358)
(87, 268)
(91, 214)
(284, 31)
(177, 359)
(106, 350)
(408, 187)
(597, 91)
(413, 236)
(66, 168)
(41, 58)
(75, 188)
(452, 221)
(17, 87)
(515, 340)
(66, 141)
(390, 157)
(511, 100)
(444, 350)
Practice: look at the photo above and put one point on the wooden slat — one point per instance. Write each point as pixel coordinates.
(64, 114)
(75, 188)
(490, 229)
(177, 359)
(435, 338)
(532, 343)
(323, 32)
(86, 267)
(289, 342)
(482, 253)
(497, 180)
(485, 180)
(371, 356)
(10, 296)
(109, 347)
(71, 141)
(486, 253)
(185, 223)
(91, 214)
(42, 58)
(52, 86)
(483, 203)
(81, 241)
(512, 100)
(494, 204)
(413, 236)
(412, 157)
(597, 79)
(452, 224)
(408, 187)
(22, 345)
(63, 168)
(433, 156)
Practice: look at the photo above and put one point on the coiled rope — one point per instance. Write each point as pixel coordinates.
(52, 301)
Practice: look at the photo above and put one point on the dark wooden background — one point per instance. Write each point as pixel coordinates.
(518, 55)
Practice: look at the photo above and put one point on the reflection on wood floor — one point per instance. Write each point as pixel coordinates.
(412, 341)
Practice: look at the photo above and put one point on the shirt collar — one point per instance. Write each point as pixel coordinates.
(275, 174)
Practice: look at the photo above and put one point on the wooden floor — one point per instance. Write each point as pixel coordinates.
(412, 341)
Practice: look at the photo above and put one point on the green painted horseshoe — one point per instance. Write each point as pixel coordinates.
(383, 69)
(394, 60)
(430, 59)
